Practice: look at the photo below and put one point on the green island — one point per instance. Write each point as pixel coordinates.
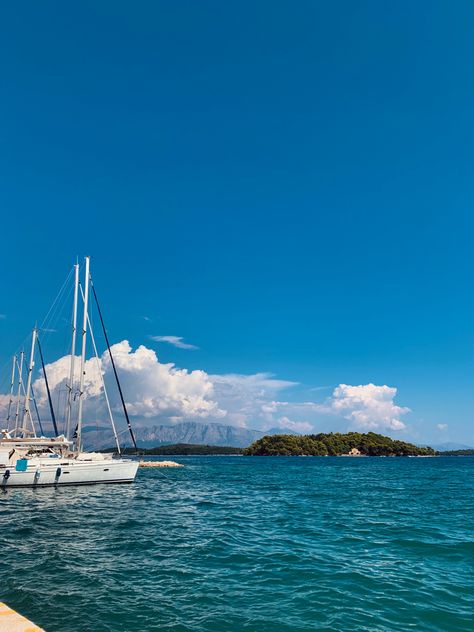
(462, 452)
(335, 444)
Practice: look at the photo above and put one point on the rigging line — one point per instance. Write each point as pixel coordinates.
(5, 364)
(56, 318)
(12, 385)
(59, 405)
(113, 366)
(19, 366)
(21, 387)
(56, 315)
(57, 298)
(99, 368)
(52, 307)
(162, 474)
(53, 417)
(37, 411)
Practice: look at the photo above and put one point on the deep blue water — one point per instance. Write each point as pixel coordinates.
(236, 543)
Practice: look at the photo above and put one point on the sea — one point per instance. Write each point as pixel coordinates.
(267, 544)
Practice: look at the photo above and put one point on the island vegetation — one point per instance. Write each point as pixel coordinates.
(335, 444)
(462, 452)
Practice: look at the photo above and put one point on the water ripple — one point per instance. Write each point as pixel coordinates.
(249, 544)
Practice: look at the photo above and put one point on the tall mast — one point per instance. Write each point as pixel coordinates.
(99, 368)
(73, 352)
(83, 356)
(26, 408)
(12, 385)
(48, 392)
(18, 397)
(124, 406)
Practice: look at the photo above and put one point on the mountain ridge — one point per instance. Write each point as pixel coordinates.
(450, 445)
(187, 432)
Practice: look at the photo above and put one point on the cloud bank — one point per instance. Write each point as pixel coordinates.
(157, 392)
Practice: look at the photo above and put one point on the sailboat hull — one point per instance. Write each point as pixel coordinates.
(58, 472)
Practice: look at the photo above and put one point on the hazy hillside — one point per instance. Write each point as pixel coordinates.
(186, 432)
(451, 445)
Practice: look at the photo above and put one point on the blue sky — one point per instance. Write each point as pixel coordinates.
(287, 186)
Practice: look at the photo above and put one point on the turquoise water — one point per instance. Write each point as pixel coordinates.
(235, 543)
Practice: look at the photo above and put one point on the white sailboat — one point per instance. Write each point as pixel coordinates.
(27, 460)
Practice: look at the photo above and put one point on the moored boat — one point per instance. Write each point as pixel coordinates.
(29, 460)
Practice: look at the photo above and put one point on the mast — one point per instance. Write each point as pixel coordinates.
(37, 412)
(26, 408)
(83, 356)
(50, 401)
(124, 406)
(99, 368)
(73, 352)
(12, 385)
(18, 397)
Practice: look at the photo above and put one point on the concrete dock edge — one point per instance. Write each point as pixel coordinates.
(11, 621)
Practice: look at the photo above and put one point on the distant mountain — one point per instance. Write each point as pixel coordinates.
(189, 432)
(184, 432)
(450, 445)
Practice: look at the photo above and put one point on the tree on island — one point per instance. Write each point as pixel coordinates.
(334, 444)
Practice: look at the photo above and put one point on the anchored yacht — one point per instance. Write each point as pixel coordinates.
(29, 460)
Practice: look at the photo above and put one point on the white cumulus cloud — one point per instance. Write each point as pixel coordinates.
(155, 389)
(368, 406)
(442, 426)
(157, 392)
(152, 389)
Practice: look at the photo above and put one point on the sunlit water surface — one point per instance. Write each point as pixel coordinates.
(237, 543)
